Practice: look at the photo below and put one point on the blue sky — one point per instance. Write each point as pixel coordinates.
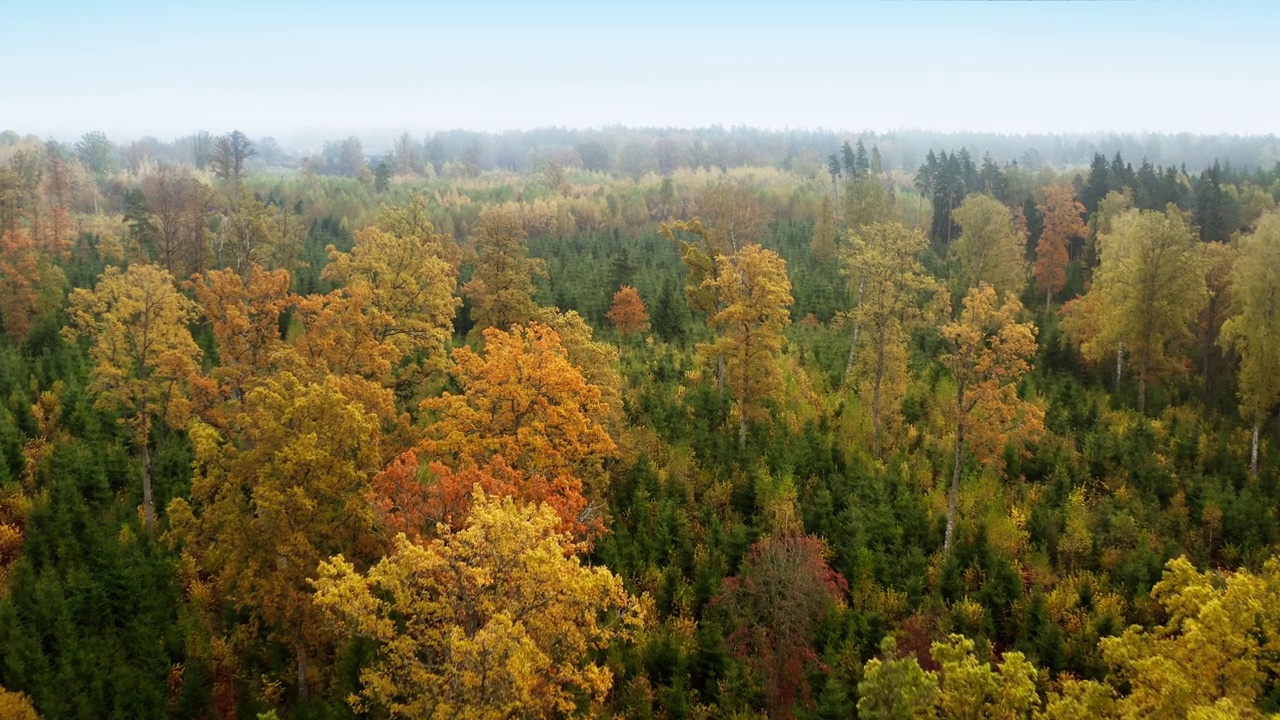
(169, 68)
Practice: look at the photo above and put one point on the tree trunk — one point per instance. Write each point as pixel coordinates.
(720, 375)
(148, 504)
(955, 489)
(742, 427)
(1253, 453)
(1142, 385)
(1048, 298)
(853, 346)
(302, 667)
(1119, 363)
(875, 402)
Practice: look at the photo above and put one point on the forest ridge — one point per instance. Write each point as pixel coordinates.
(643, 423)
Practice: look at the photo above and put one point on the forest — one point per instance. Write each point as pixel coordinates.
(640, 423)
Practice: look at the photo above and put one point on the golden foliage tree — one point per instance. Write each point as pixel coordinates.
(271, 500)
(16, 706)
(990, 248)
(522, 399)
(1062, 222)
(989, 352)
(410, 287)
(1150, 287)
(1253, 329)
(143, 353)
(19, 272)
(756, 298)
(494, 620)
(895, 298)
(244, 315)
(501, 286)
(628, 312)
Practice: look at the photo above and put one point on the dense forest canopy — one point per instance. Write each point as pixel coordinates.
(646, 423)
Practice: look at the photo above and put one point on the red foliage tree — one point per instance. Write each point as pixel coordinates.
(782, 593)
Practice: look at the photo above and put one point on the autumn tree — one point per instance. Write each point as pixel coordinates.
(244, 315)
(628, 313)
(522, 399)
(284, 489)
(1253, 329)
(989, 353)
(783, 591)
(755, 295)
(413, 497)
(19, 273)
(176, 204)
(896, 688)
(501, 286)
(971, 688)
(732, 214)
(990, 248)
(896, 290)
(143, 354)
(1062, 223)
(251, 232)
(410, 288)
(1150, 286)
(492, 620)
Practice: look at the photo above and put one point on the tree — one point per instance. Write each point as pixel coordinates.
(782, 593)
(628, 313)
(176, 203)
(229, 154)
(414, 497)
(970, 689)
(97, 153)
(494, 620)
(287, 488)
(990, 249)
(524, 401)
(823, 245)
(1062, 223)
(501, 286)
(245, 318)
(19, 274)
(988, 357)
(1150, 287)
(896, 688)
(732, 214)
(1253, 330)
(894, 299)
(755, 295)
(410, 287)
(16, 706)
(143, 354)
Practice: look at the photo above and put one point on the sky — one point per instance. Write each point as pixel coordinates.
(170, 67)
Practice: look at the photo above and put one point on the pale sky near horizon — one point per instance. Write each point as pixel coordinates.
(170, 67)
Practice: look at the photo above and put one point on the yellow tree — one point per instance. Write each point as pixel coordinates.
(1253, 329)
(271, 500)
(523, 400)
(410, 287)
(970, 689)
(895, 286)
(245, 317)
(495, 620)
(1150, 287)
(755, 295)
(142, 352)
(501, 286)
(989, 355)
(990, 248)
(1062, 222)
(628, 312)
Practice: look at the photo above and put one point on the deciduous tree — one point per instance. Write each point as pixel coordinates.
(755, 295)
(989, 352)
(1150, 286)
(1253, 329)
(501, 286)
(494, 620)
(1062, 223)
(990, 249)
(286, 488)
(142, 351)
(628, 313)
